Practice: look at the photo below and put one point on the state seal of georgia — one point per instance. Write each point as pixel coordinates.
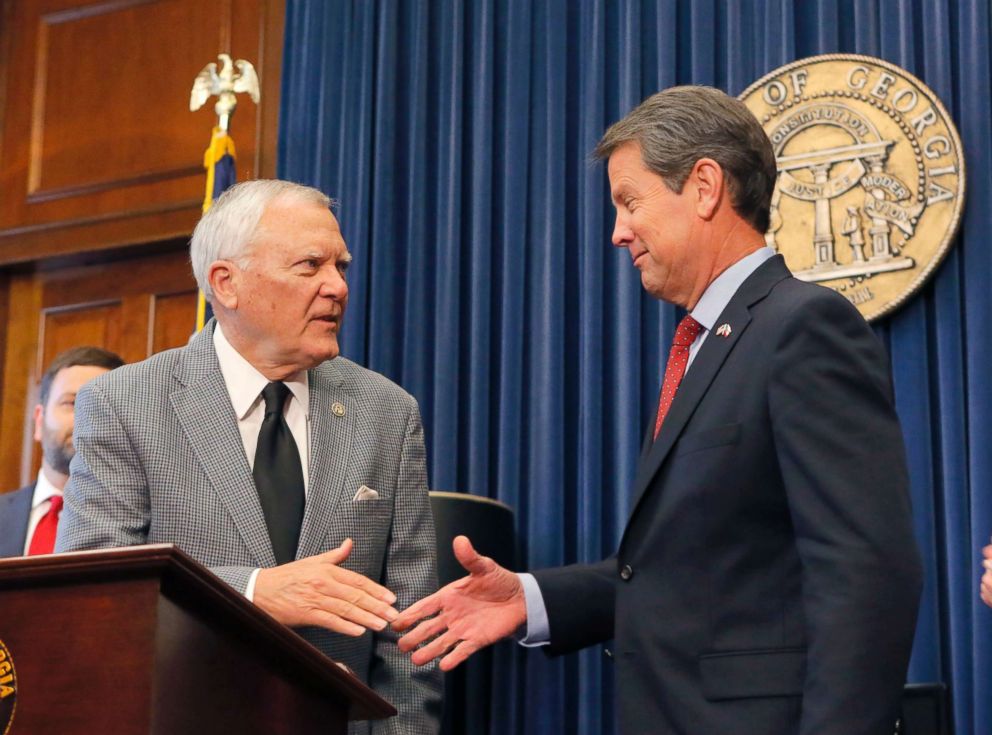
(8, 689)
(870, 176)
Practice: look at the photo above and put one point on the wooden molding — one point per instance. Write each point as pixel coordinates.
(97, 146)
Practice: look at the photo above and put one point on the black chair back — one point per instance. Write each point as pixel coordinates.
(489, 525)
(925, 710)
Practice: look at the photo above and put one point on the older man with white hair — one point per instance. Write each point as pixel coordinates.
(295, 475)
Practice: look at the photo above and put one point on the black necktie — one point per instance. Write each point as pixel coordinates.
(279, 476)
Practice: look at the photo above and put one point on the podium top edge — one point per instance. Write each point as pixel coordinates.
(128, 557)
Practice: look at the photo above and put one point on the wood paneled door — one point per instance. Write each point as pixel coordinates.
(134, 306)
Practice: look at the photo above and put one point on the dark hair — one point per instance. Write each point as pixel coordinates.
(89, 356)
(680, 125)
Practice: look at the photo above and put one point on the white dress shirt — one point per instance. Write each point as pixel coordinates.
(711, 304)
(244, 385)
(41, 501)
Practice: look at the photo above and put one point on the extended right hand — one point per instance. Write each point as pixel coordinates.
(317, 591)
(469, 614)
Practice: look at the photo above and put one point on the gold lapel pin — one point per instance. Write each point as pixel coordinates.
(337, 409)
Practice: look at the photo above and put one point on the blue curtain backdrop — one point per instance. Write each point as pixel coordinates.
(455, 136)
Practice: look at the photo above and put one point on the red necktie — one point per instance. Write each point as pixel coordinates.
(43, 541)
(678, 357)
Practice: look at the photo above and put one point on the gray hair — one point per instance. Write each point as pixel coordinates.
(680, 125)
(228, 229)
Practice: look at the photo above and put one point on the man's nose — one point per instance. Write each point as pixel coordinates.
(333, 284)
(622, 234)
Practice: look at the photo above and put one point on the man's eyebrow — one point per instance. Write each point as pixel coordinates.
(346, 258)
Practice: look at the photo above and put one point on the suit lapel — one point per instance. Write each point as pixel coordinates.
(203, 408)
(331, 431)
(15, 511)
(704, 368)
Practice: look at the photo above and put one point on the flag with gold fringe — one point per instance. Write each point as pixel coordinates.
(219, 161)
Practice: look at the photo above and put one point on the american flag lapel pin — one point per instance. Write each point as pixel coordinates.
(723, 330)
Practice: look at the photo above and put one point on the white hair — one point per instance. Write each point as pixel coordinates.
(227, 230)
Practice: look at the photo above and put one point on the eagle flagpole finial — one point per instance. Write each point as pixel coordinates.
(225, 85)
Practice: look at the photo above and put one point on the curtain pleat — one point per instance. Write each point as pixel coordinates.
(456, 137)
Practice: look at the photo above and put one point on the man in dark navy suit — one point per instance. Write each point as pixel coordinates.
(767, 582)
(29, 516)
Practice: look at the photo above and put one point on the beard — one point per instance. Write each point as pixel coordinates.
(57, 453)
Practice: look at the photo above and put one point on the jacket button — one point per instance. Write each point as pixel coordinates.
(626, 572)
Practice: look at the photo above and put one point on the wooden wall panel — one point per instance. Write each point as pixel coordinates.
(128, 85)
(86, 324)
(170, 320)
(97, 146)
(135, 306)
(20, 379)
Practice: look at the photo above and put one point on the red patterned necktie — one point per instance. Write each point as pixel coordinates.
(678, 357)
(43, 541)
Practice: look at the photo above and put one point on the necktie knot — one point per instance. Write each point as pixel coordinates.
(275, 395)
(686, 332)
(56, 507)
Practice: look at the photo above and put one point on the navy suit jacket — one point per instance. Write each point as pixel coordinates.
(768, 580)
(15, 511)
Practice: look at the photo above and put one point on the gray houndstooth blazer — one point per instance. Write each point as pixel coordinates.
(159, 459)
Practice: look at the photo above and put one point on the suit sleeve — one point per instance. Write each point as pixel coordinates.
(15, 516)
(574, 626)
(410, 571)
(107, 499)
(841, 454)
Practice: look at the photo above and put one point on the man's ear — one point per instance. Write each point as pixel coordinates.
(708, 180)
(39, 415)
(223, 277)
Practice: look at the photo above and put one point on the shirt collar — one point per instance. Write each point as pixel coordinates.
(43, 490)
(719, 293)
(244, 383)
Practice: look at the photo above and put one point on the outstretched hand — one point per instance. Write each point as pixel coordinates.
(469, 614)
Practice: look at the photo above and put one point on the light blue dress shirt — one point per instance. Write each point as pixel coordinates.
(712, 303)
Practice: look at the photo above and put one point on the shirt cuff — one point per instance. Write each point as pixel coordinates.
(250, 587)
(538, 627)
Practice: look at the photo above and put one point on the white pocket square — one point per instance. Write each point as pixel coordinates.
(365, 493)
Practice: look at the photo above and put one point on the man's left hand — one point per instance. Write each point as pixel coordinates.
(318, 591)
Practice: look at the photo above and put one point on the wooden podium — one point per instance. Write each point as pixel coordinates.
(145, 640)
